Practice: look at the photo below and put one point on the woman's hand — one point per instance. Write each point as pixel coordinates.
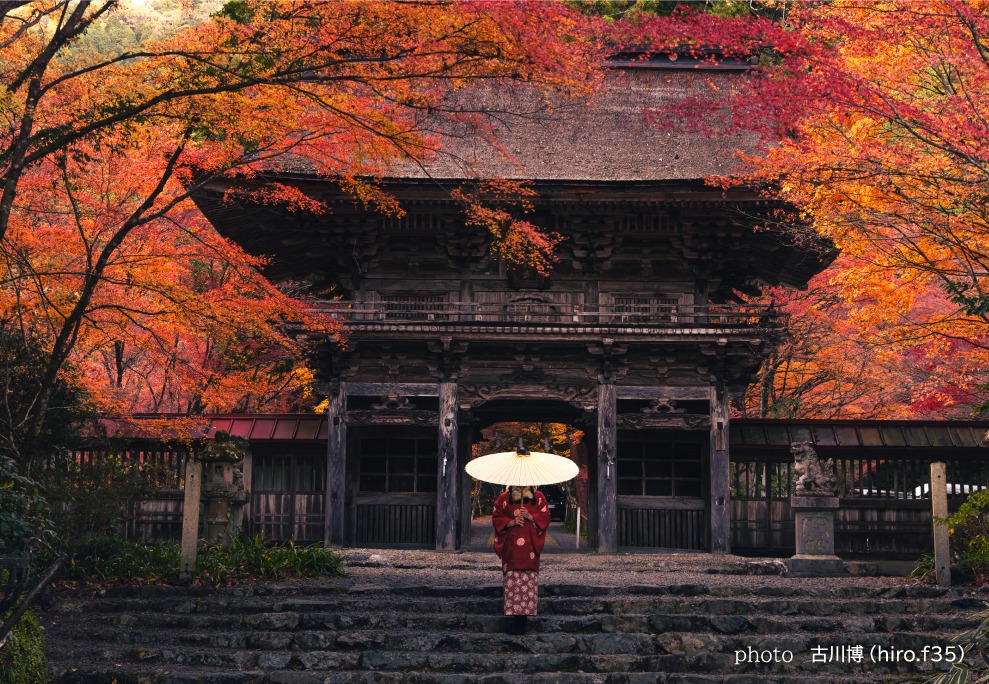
(525, 514)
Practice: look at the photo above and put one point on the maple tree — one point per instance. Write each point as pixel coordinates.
(827, 364)
(109, 271)
(873, 118)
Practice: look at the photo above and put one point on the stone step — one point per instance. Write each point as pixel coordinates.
(687, 652)
(185, 675)
(171, 593)
(614, 605)
(396, 631)
(680, 633)
(328, 664)
(396, 626)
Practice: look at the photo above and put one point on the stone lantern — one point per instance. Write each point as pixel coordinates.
(223, 491)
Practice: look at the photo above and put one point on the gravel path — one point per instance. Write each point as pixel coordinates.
(406, 568)
(482, 537)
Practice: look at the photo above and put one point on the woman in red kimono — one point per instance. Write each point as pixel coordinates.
(520, 519)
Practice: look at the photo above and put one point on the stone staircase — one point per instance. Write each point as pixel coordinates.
(680, 633)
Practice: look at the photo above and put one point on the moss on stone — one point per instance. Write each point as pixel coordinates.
(23, 659)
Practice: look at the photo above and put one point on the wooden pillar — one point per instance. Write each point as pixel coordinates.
(607, 476)
(719, 488)
(448, 471)
(190, 517)
(593, 470)
(466, 484)
(336, 465)
(939, 509)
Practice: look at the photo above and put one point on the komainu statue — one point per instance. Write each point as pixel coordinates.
(813, 477)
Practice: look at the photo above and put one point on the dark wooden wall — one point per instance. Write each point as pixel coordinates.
(391, 491)
(662, 489)
(287, 492)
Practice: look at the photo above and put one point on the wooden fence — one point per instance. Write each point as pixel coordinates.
(885, 504)
(883, 490)
(152, 474)
(157, 467)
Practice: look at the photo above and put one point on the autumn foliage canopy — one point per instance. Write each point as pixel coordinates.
(109, 272)
(874, 122)
(115, 291)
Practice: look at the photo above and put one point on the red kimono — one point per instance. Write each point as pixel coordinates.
(519, 547)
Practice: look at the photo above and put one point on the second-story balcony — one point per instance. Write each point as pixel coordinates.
(419, 314)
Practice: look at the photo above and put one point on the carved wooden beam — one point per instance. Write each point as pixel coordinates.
(640, 421)
(392, 417)
(384, 389)
(474, 395)
(674, 393)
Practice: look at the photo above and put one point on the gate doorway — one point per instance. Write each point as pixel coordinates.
(566, 500)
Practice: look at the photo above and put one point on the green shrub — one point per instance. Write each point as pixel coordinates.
(969, 531)
(22, 659)
(570, 526)
(975, 668)
(101, 560)
(923, 571)
(22, 519)
(253, 559)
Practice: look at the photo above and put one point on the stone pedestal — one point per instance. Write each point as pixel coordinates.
(814, 522)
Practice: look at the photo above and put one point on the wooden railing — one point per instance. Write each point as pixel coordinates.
(456, 314)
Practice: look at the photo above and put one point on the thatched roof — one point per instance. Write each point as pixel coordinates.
(604, 139)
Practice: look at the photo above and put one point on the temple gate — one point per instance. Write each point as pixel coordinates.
(639, 336)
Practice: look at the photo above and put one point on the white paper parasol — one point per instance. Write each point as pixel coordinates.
(520, 469)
